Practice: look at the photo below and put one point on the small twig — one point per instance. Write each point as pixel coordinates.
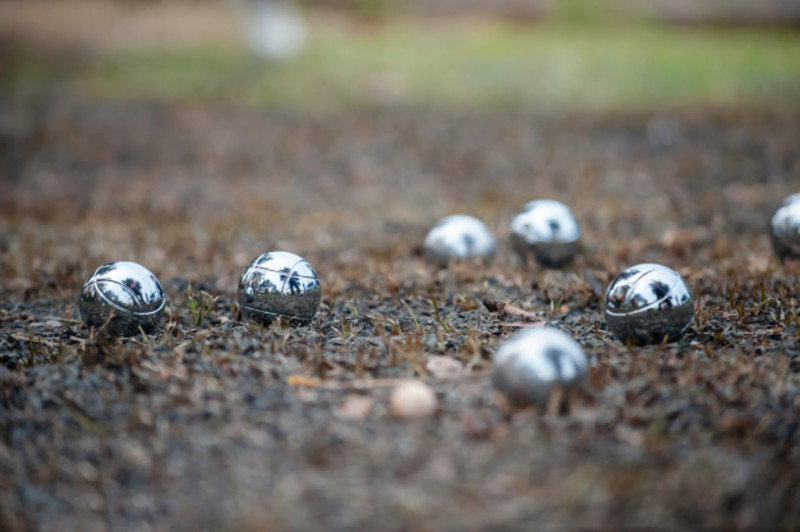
(306, 381)
(508, 308)
(555, 401)
(523, 324)
(71, 321)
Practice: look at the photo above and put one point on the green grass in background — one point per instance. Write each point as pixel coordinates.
(542, 66)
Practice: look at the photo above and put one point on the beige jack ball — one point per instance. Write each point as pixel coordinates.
(413, 400)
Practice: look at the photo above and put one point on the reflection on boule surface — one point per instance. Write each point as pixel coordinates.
(459, 237)
(785, 229)
(123, 296)
(532, 361)
(279, 284)
(547, 231)
(647, 303)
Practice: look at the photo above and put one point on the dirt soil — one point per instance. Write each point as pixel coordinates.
(224, 425)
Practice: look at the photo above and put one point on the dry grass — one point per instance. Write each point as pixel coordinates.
(207, 426)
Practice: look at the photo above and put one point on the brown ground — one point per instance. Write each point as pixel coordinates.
(206, 427)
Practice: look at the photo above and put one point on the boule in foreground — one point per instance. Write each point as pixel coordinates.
(534, 361)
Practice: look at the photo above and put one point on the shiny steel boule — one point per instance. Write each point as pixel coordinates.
(648, 303)
(532, 361)
(547, 231)
(282, 285)
(459, 237)
(785, 229)
(125, 297)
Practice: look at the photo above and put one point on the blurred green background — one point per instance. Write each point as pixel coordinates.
(569, 55)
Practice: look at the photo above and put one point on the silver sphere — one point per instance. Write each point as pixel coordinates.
(282, 285)
(532, 361)
(647, 303)
(547, 231)
(785, 229)
(274, 29)
(124, 295)
(459, 237)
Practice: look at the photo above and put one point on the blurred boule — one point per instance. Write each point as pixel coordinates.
(533, 361)
(274, 29)
(785, 228)
(547, 231)
(459, 237)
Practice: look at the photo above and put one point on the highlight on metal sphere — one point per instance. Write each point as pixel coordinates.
(459, 237)
(532, 361)
(785, 229)
(647, 303)
(547, 231)
(123, 296)
(279, 284)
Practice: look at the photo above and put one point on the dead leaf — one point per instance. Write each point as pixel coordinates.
(508, 308)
